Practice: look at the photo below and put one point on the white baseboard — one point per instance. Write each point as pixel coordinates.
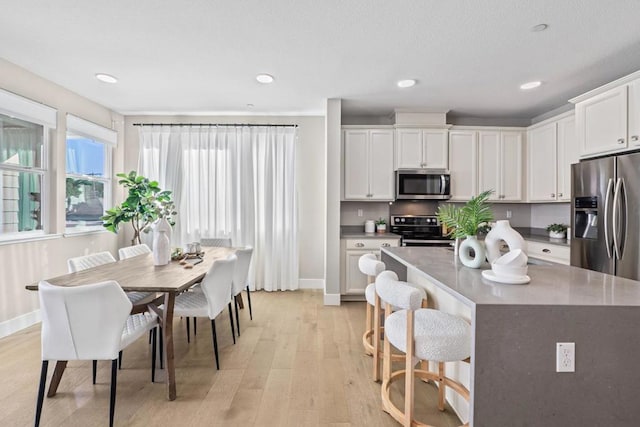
(331, 299)
(311, 283)
(16, 324)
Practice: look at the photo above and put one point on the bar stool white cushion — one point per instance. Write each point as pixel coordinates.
(370, 293)
(369, 265)
(440, 337)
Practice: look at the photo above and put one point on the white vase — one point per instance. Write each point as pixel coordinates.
(556, 234)
(502, 231)
(472, 242)
(161, 248)
(163, 224)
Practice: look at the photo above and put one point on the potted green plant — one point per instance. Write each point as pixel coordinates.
(464, 222)
(381, 225)
(557, 231)
(145, 203)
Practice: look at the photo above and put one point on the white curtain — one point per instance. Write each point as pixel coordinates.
(231, 181)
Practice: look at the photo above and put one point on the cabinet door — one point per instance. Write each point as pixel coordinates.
(567, 155)
(602, 122)
(356, 173)
(634, 113)
(489, 162)
(409, 149)
(541, 158)
(434, 149)
(463, 164)
(381, 177)
(511, 165)
(355, 281)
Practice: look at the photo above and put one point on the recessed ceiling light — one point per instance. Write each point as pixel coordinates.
(264, 78)
(406, 83)
(539, 27)
(107, 78)
(530, 85)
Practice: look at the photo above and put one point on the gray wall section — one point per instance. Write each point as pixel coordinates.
(515, 381)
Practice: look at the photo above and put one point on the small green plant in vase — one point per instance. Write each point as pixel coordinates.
(557, 231)
(381, 225)
(465, 222)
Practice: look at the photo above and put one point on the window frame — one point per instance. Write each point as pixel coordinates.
(80, 128)
(24, 109)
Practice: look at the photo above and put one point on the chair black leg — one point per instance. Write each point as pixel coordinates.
(114, 380)
(249, 301)
(95, 368)
(120, 360)
(150, 337)
(188, 331)
(235, 300)
(233, 332)
(154, 334)
(161, 349)
(195, 327)
(215, 342)
(43, 381)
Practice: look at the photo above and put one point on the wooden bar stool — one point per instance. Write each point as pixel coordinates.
(422, 334)
(371, 267)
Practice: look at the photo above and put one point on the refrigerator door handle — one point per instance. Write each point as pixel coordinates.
(607, 199)
(623, 235)
(616, 205)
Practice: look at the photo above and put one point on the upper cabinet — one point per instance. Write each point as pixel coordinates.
(421, 148)
(608, 118)
(368, 164)
(551, 149)
(500, 164)
(463, 164)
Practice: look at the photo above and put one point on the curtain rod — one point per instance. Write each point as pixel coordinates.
(214, 124)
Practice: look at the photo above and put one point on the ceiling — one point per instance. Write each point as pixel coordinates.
(202, 56)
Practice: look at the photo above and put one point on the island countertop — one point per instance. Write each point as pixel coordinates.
(550, 284)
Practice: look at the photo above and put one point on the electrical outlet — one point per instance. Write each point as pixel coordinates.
(359, 212)
(509, 214)
(565, 357)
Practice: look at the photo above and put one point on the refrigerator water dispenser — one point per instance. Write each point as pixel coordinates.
(586, 217)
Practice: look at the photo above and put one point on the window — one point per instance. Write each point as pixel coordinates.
(22, 176)
(88, 174)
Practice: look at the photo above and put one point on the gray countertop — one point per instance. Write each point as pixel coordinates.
(357, 232)
(550, 284)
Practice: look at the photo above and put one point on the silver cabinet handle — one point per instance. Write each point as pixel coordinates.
(385, 245)
(634, 138)
(359, 245)
(553, 196)
(606, 217)
(546, 251)
(620, 140)
(559, 194)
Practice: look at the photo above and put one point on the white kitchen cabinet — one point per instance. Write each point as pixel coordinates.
(551, 149)
(634, 113)
(421, 148)
(549, 252)
(500, 164)
(463, 164)
(353, 281)
(368, 164)
(568, 154)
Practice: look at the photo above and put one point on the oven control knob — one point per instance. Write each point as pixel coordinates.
(401, 219)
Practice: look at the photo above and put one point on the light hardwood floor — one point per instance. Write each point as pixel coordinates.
(298, 363)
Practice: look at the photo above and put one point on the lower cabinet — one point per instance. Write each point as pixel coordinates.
(353, 282)
(549, 252)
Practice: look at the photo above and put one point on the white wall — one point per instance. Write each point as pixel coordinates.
(311, 175)
(26, 262)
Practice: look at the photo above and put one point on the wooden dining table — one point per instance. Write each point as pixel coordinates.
(139, 274)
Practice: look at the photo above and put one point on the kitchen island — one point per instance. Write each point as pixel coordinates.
(512, 375)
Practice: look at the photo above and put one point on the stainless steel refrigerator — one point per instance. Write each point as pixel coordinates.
(605, 215)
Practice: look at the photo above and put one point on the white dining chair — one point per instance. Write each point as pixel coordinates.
(89, 322)
(216, 294)
(240, 274)
(130, 252)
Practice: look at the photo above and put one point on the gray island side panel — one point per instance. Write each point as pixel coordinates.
(516, 328)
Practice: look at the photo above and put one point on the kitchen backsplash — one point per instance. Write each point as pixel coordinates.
(519, 214)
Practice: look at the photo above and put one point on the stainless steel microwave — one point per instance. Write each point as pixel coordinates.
(422, 184)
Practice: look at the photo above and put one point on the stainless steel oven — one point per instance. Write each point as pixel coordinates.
(419, 230)
(422, 184)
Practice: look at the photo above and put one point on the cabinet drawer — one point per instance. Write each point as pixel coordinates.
(549, 252)
(373, 244)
